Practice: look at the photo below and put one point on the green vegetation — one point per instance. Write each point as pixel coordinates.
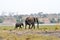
(6, 27)
(1, 20)
(41, 27)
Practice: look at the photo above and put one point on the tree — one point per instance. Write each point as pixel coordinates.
(53, 20)
(19, 18)
(40, 14)
(1, 20)
(59, 20)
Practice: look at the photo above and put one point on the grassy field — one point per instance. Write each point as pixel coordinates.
(41, 27)
(8, 33)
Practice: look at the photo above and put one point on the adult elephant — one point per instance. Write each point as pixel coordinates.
(31, 22)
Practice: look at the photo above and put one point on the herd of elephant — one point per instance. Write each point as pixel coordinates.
(30, 21)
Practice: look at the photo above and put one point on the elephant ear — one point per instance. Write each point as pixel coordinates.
(34, 19)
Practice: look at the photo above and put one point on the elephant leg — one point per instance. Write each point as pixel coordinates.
(33, 26)
(38, 26)
(29, 26)
(25, 26)
(20, 27)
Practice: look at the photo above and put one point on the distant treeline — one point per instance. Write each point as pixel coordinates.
(53, 18)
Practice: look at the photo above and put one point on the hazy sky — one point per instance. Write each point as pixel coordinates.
(30, 6)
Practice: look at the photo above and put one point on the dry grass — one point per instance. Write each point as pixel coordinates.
(8, 33)
(12, 36)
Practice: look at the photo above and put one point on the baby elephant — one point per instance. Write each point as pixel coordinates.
(19, 25)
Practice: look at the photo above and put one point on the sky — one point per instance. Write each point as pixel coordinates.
(29, 6)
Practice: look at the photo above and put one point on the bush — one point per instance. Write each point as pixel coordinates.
(1, 20)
